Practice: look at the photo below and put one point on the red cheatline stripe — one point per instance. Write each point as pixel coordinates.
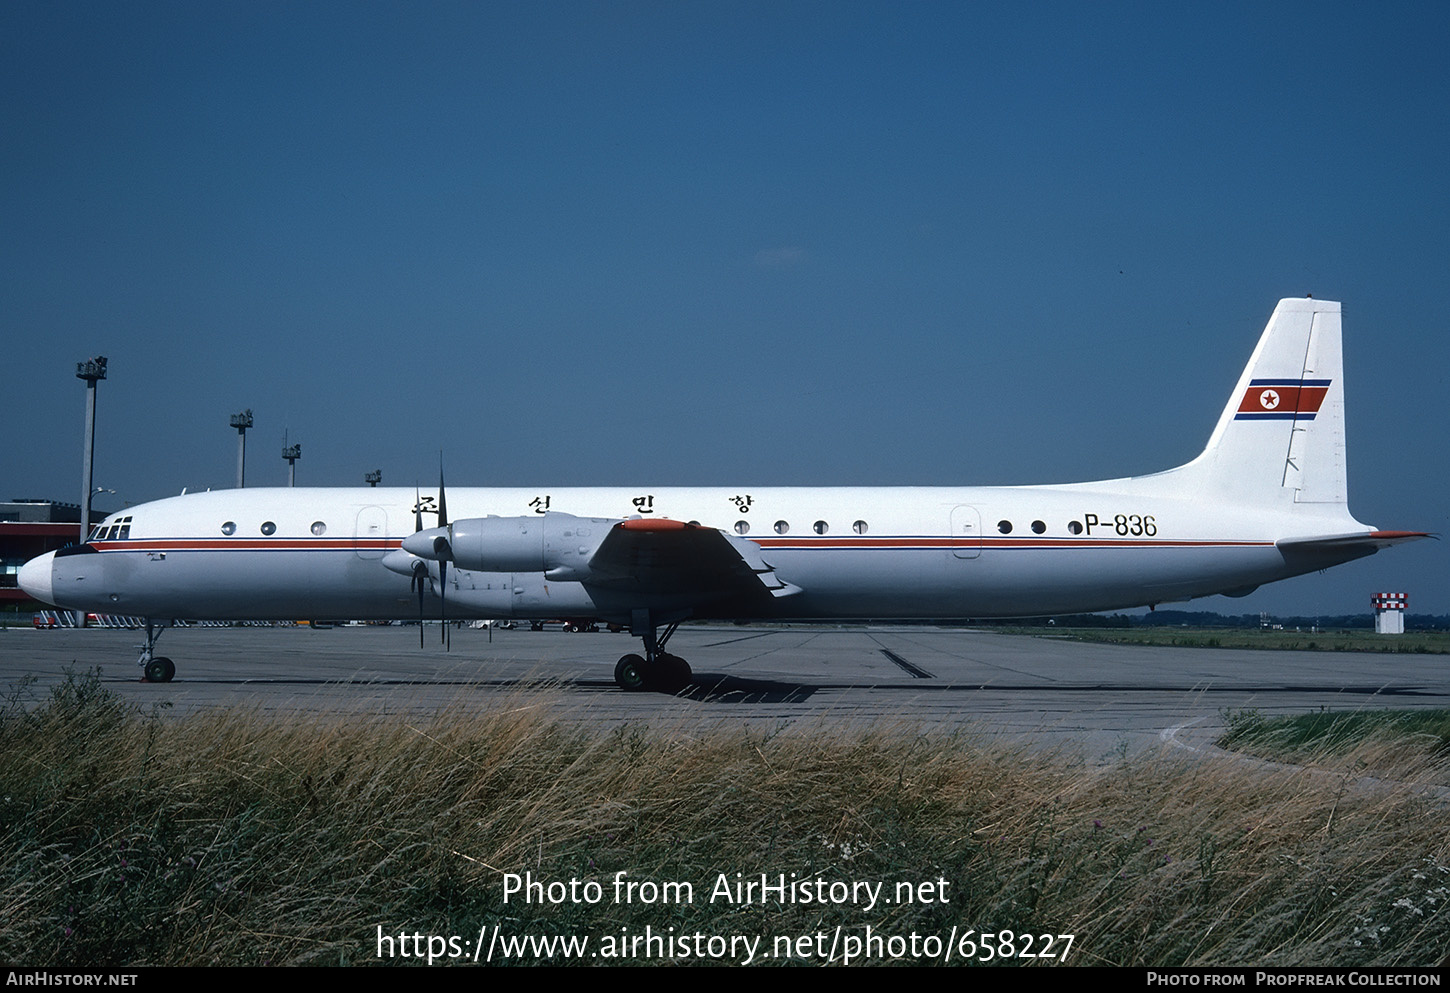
(1001, 543)
(248, 544)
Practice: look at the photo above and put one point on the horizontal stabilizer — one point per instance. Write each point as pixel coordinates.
(1372, 540)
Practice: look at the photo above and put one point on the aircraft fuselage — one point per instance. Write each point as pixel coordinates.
(896, 552)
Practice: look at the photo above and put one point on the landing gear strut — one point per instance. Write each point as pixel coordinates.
(656, 669)
(155, 668)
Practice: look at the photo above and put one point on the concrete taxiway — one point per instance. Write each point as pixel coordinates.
(1102, 699)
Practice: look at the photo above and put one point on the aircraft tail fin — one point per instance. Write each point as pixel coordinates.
(1281, 436)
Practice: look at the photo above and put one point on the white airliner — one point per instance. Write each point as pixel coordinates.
(1265, 500)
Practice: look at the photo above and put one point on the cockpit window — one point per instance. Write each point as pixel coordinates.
(119, 527)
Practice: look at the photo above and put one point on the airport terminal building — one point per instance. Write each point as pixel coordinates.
(29, 528)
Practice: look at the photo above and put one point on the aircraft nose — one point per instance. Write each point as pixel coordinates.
(35, 577)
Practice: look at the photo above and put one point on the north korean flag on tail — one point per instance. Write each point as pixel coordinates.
(1282, 399)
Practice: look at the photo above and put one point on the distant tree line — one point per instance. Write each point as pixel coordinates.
(1211, 619)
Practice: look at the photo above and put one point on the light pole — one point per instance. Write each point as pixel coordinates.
(241, 422)
(92, 370)
(94, 491)
(291, 453)
(373, 478)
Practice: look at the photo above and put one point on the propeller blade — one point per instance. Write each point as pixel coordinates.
(444, 551)
(420, 569)
(442, 496)
(420, 575)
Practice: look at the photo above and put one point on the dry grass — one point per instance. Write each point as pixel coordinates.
(235, 839)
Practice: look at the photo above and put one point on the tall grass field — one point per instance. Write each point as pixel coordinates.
(509, 836)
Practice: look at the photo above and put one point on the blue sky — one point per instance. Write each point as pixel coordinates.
(733, 243)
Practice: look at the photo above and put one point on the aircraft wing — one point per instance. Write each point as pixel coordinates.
(658, 556)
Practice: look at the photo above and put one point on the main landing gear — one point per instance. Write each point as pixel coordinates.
(155, 668)
(656, 669)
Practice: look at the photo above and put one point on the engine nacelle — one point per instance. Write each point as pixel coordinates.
(559, 545)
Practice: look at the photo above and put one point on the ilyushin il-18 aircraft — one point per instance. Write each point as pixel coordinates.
(1265, 500)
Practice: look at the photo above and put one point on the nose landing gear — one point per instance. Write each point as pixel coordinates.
(155, 668)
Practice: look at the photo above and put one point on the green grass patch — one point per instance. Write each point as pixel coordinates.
(1419, 643)
(237, 838)
(1327, 734)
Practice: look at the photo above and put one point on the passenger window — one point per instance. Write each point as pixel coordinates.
(781, 527)
(1004, 526)
(820, 527)
(742, 527)
(229, 528)
(1075, 527)
(268, 528)
(860, 527)
(318, 528)
(1038, 527)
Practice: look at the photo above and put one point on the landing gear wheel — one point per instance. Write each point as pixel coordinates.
(629, 673)
(160, 670)
(672, 673)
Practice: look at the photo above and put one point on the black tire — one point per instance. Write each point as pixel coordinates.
(629, 673)
(673, 673)
(160, 670)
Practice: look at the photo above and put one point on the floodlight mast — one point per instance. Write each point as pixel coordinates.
(291, 453)
(373, 478)
(92, 370)
(241, 422)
